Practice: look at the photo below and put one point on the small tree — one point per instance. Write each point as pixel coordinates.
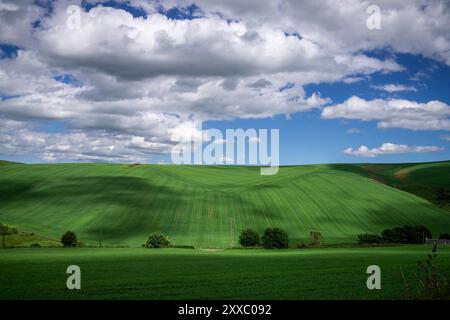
(69, 239)
(249, 238)
(4, 231)
(316, 238)
(275, 238)
(157, 240)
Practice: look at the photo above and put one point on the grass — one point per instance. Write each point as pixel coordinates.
(26, 239)
(207, 206)
(422, 179)
(135, 273)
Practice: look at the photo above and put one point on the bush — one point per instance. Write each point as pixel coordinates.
(406, 234)
(69, 239)
(275, 238)
(35, 245)
(249, 238)
(157, 240)
(369, 238)
(181, 246)
(302, 245)
(444, 236)
(316, 238)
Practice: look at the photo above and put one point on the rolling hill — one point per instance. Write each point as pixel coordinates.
(207, 206)
(422, 179)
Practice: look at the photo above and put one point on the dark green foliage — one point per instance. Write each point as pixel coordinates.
(406, 234)
(69, 239)
(444, 236)
(442, 196)
(35, 245)
(157, 240)
(369, 238)
(181, 246)
(275, 238)
(249, 238)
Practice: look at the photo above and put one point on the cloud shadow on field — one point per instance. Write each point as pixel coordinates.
(120, 203)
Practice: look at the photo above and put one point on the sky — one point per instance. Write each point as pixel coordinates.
(123, 81)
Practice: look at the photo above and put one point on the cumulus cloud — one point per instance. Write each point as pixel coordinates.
(393, 87)
(390, 148)
(419, 27)
(17, 138)
(393, 113)
(135, 83)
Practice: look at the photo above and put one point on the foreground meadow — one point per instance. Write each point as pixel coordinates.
(138, 273)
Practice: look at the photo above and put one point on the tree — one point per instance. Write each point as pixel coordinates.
(4, 231)
(275, 238)
(421, 233)
(249, 238)
(444, 236)
(406, 234)
(316, 238)
(157, 240)
(69, 239)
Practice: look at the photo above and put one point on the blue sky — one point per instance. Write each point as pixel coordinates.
(123, 90)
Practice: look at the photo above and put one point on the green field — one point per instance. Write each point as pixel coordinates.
(137, 273)
(422, 179)
(208, 206)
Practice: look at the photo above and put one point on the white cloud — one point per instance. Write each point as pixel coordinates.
(144, 80)
(393, 87)
(418, 27)
(350, 80)
(393, 113)
(390, 148)
(445, 137)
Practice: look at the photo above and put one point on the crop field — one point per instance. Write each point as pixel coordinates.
(208, 206)
(137, 273)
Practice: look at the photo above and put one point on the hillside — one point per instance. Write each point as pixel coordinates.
(208, 206)
(426, 180)
(4, 162)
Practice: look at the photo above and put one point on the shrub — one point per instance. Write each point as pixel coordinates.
(369, 238)
(444, 236)
(157, 240)
(406, 234)
(69, 239)
(249, 238)
(275, 238)
(432, 284)
(316, 238)
(181, 246)
(416, 234)
(35, 245)
(302, 245)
